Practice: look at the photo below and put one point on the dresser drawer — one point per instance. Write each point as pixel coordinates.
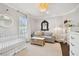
(72, 53)
(74, 36)
(74, 49)
(74, 44)
(74, 39)
(74, 33)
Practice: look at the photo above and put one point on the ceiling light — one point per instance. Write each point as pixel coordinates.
(43, 7)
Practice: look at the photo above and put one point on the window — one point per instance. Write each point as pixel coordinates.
(22, 26)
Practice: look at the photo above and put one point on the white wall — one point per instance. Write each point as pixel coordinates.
(56, 21)
(53, 22)
(53, 10)
(34, 23)
(74, 16)
(14, 15)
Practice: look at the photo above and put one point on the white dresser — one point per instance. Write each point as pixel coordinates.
(74, 43)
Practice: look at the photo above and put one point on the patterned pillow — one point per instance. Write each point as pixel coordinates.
(47, 34)
(38, 33)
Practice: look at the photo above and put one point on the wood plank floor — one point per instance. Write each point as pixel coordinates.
(65, 49)
(49, 49)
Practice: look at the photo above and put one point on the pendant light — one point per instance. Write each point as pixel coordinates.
(43, 7)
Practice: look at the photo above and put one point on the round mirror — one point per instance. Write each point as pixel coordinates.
(5, 21)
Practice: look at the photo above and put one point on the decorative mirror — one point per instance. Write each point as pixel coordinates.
(5, 21)
(44, 26)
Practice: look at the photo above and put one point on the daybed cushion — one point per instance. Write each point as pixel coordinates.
(38, 33)
(47, 34)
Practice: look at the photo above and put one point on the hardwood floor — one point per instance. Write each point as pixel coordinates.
(65, 49)
(48, 49)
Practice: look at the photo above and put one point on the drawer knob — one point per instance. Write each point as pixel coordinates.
(72, 44)
(72, 53)
(72, 37)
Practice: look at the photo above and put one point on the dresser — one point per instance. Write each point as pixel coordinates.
(74, 43)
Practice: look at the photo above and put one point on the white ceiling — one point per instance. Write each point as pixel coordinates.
(54, 9)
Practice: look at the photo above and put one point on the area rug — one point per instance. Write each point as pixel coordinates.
(47, 50)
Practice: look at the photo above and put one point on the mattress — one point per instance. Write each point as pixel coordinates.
(10, 45)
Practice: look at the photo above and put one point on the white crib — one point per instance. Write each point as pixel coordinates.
(10, 42)
(11, 45)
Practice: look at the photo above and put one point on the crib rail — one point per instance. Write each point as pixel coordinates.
(10, 44)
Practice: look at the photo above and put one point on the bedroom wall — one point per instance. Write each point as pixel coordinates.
(57, 21)
(34, 24)
(53, 22)
(74, 16)
(13, 16)
(13, 30)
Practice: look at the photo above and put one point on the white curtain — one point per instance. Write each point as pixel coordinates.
(24, 28)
